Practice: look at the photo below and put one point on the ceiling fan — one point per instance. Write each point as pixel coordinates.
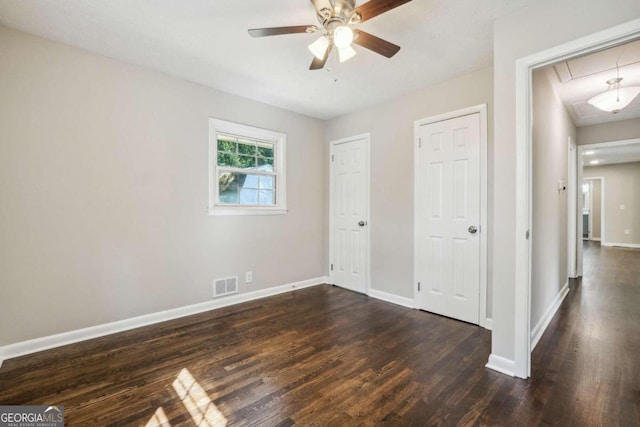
(336, 18)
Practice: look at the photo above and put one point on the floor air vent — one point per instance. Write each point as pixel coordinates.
(225, 286)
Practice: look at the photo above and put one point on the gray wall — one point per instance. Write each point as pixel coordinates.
(552, 126)
(392, 131)
(540, 26)
(621, 187)
(607, 132)
(103, 182)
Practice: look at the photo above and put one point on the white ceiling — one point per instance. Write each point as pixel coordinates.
(581, 78)
(206, 41)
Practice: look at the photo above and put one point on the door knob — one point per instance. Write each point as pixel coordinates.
(362, 223)
(472, 229)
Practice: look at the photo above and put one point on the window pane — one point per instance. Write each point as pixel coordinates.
(227, 159)
(251, 181)
(226, 144)
(266, 197)
(265, 164)
(232, 179)
(229, 197)
(248, 196)
(266, 182)
(246, 162)
(236, 161)
(228, 187)
(247, 147)
(265, 151)
(246, 189)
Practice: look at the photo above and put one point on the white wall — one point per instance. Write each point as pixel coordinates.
(391, 128)
(607, 132)
(103, 182)
(621, 187)
(552, 126)
(541, 25)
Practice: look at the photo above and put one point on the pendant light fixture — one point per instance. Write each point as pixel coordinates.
(616, 97)
(319, 47)
(341, 37)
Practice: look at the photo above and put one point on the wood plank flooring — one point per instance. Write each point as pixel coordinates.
(324, 356)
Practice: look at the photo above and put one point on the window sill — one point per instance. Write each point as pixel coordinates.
(229, 211)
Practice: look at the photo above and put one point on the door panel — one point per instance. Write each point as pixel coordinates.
(349, 207)
(448, 197)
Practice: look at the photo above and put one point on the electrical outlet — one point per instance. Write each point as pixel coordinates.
(627, 231)
(621, 207)
(248, 277)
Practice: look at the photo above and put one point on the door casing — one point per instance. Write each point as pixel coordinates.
(572, 194)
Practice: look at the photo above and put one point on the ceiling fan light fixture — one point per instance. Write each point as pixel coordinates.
(319, 47)
(346, 53)
(615, 98)
(342, 37)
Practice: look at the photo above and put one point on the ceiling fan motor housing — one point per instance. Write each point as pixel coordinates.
(343, 8)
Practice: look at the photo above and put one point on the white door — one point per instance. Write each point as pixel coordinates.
(349, 213)
(448, 218)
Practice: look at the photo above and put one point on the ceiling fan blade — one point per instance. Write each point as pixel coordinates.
(278, 31)
(373, 8)
(318, 64)
(375, 44)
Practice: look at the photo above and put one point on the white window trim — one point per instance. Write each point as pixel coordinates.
(221, 126)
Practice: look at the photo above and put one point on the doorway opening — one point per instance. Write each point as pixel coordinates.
(525, 68)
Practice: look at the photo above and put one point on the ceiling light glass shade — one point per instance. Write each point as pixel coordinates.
(342, 37)
(346, 53)
(319, 47)
(616, 97)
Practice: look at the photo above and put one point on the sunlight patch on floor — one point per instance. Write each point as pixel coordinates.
(203, 411)
(159, 419)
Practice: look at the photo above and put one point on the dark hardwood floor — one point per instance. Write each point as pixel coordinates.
(326, 356)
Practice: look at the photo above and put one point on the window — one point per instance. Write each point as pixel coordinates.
(247, 175)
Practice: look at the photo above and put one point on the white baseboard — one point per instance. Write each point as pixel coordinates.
(501, 364)
(538, 330)
(595, 239)
(622, 245)
(65, 338)
(394, 299)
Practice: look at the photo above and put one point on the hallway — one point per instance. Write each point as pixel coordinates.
(586, 368)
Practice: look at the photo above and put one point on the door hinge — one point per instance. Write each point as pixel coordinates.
(418, 286)
(331, 267)
(527, 235)
(332, 158)
(419, 142)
